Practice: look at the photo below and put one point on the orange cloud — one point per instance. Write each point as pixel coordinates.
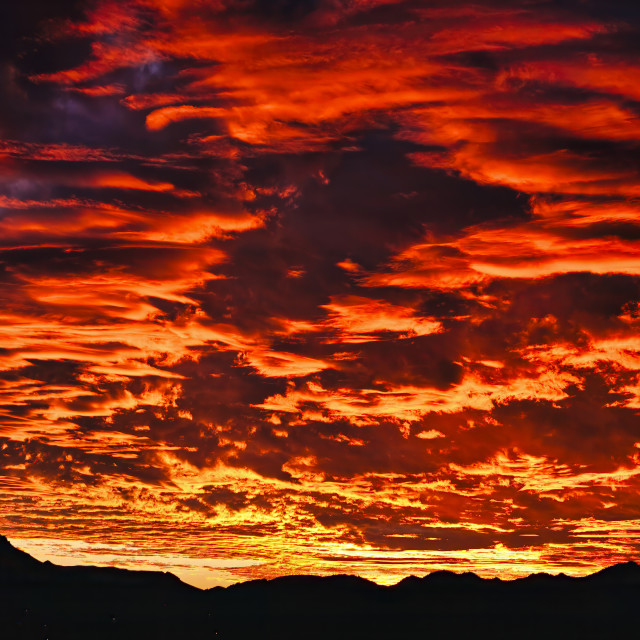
(358, 319)
(412, 403)
(602, 74)
(538, 248)
(273, 363)
(160, 118)
(125, 181)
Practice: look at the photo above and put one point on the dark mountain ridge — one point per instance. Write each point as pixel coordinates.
(19, 567)
(43, 600)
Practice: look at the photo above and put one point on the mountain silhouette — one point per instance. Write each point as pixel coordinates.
(14, 562)
(46, 601)
(623, 573)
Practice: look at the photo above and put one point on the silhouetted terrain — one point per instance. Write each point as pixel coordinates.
(46, 601)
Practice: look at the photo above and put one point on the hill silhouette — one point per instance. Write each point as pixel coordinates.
(45, 601)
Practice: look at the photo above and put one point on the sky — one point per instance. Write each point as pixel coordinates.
(321, 286)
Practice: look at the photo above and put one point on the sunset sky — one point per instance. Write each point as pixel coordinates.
(321, 286)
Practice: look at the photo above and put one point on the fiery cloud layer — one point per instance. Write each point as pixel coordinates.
(321, 286)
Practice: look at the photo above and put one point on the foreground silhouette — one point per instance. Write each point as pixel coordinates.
(45, 601)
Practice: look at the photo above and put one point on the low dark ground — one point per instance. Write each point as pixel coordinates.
(45, 601)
